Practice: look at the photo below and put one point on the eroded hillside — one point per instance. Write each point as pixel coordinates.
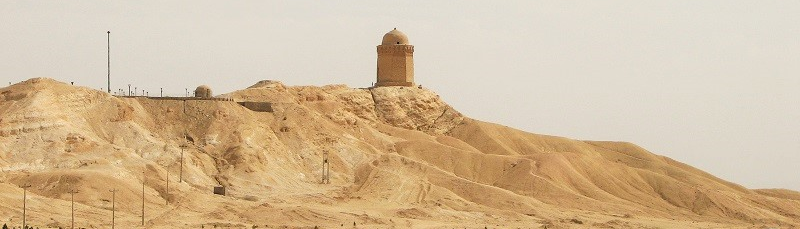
(399, 156)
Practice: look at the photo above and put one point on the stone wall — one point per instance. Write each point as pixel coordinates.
(175, 98)
(258, 106)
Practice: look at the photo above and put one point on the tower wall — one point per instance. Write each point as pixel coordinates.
(395, 65)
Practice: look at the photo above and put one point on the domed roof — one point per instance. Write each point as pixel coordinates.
(203, 91)
(395, 37)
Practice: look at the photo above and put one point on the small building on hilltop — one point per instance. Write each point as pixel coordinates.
(203, 91)
(395, 60)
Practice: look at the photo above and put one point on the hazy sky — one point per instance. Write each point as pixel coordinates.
(714, 84)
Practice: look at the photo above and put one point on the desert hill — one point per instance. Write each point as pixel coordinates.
(399, 157)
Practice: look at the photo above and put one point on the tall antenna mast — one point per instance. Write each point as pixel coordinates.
(113, 195)
(72, 199)
(144, 178)
(109, 62)
(24, 201)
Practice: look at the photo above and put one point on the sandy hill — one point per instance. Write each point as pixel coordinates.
(400, 157)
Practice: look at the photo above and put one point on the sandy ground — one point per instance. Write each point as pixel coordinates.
(400, 157)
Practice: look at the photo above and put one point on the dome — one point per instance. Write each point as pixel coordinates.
(395, 37)
(203, 91)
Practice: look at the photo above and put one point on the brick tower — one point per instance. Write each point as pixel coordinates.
(395, 60)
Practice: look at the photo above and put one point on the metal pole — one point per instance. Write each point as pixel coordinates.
(143, 180)
(72, 199)
(113, 195)
(24, 203)
(72, 207)
(167, 197)
(109, 61)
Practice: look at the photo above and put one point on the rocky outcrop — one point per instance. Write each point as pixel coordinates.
(399, 157)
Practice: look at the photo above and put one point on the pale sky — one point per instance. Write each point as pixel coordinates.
(714, 84)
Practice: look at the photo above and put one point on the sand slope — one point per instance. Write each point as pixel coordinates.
(399, 156)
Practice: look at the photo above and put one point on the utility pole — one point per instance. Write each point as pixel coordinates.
(113, 195)
(143, 180)
(167, 197)
(24, 203)
(109, 62)
(72, 199)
